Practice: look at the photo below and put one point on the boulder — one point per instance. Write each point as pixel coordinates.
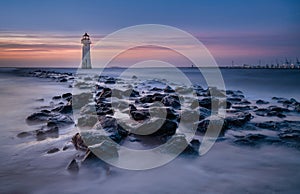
(53, 150)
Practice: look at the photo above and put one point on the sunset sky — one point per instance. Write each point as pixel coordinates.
(48, 33)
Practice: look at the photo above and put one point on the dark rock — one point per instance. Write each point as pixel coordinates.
(274, 113)
(192, 148)
(139, 115)
(239, 119)
(261, 102)
(78, 142)
(63, 80)
(267, 125)
(234, 99)
(105, 93)
(56, 97)
(66, 96)
(157, 97)
(110, 80)
(53, 150)
(205, 102)
(60, 120)
(81, 100)
(39, 117)
(23, 134)
(66, 109)
(87, 121)
(146, 99)
(168, 89)
(156, 89)
(241, 107)
(134, 77)
(172, 101)
(110, 125)
(73, 166)
(278, 109)
(214, 92)
(106, 150)
(133, 139)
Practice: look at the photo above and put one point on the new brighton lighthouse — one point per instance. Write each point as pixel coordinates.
(86, 56)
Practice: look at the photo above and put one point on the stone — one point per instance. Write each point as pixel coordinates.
(239, 119)
(78, 142)
(73, 166)
(80, 100)
(66, 96)
(87, 121)
(261, 102)
(172, 101)
(106, 150)
(24, 134)
(56, 97)
(168, 89)
(60, 120)
(53, 150)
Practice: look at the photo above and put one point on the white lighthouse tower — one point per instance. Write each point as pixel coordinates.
(86, 56)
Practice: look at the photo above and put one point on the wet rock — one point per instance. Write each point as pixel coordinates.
(40, 99)
(261, 102)
(63, 109)
(156, 89)
(205, 102)
(192, 148)
(53, 150)
(183, 90)
(234, 99)
(73, 166)
(178, 144)
(214, 92)
(133, 139)
(60, 120)
(39, 116)
(134, 77)
(274, 113)
(80, 100)
(157, 97)
(172, 101)
(168, 89)
(267, 125)
(47, 132)
(88, 109)
(24, 134)
(215, 123)
(139, 115)
(78, 142)
(63, 80)
(87, 121)
(120, 94)
(106, 150)
(56, 97)
(146, 99)
(105, 93)
(278, 109)
(110, 125)
(241, 107)
(67, 96)
(238, 119)
(110, 80)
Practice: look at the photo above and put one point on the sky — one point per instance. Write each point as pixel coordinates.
(47, 33)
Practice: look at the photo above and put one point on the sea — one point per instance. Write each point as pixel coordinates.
(25, 167)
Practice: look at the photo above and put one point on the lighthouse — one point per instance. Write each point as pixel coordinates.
(86, 56)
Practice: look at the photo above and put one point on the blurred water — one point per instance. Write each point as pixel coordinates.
(26, 168)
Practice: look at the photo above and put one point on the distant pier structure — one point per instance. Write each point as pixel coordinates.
(86, 48)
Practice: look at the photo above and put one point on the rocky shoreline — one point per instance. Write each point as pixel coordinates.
(124, 112)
